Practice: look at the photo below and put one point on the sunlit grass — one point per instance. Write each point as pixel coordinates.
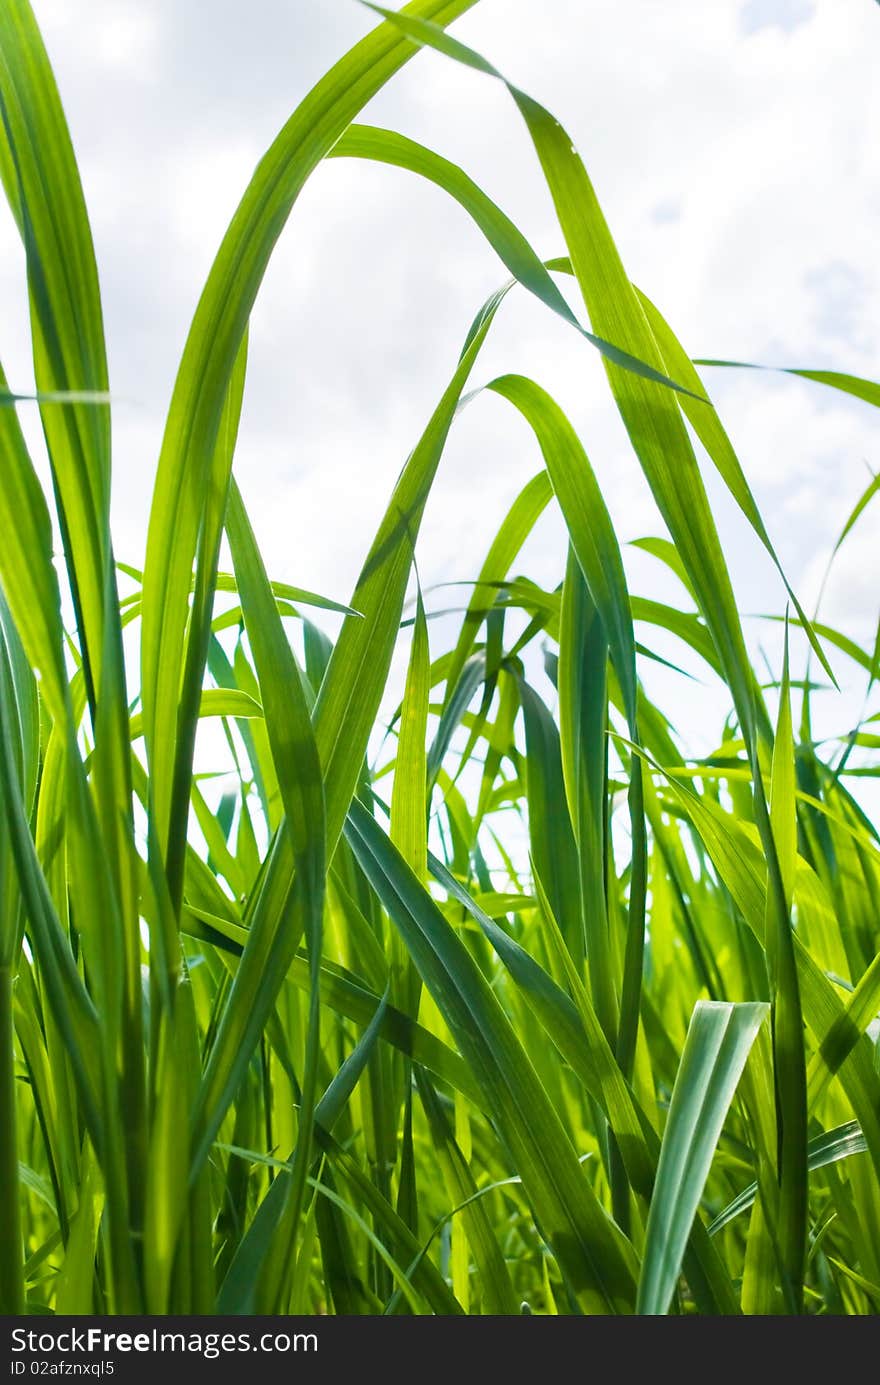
(512, 1007)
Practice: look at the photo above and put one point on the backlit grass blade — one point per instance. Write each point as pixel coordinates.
(409, 814)
(858, 509)
(587, 519)
(512, 248)
(30, 583)
(43, 187)
(213, 510)
(208, 360)
(867, 390)
(717, 1046)
(518, 523)
(353, 684)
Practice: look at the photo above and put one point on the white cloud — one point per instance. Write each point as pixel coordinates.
(127, 39)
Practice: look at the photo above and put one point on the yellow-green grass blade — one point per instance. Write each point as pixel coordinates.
(355, 679)
(286, 708)
(27, 573)
(860, 506)
(666, 551)
(213, 510)
(860, 1009)
(598, 553)
(408, 807)
(74, 1292)
(23, 715)
(284, 591)
(44, 190)
(715, 1052)
(409, 832)
(206, 368)
(518, 523)
(512, 248)
(166, 1203)
(587, 519)
(214, 702)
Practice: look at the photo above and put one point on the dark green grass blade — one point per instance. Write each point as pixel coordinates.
(594, 1256)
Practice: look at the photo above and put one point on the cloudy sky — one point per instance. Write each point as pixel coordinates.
(733, 146)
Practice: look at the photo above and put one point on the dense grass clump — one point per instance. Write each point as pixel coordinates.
(512, 1005)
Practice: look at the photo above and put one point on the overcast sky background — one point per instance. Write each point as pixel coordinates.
(734, 149)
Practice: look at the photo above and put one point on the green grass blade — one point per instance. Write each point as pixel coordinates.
(867, 390)
(494, 1279)
(206, 368)
(841, 1143)
(44, 190)
(512, 248)
(27, 573)
(710, 430)
(298, 767)
(596, 1259)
